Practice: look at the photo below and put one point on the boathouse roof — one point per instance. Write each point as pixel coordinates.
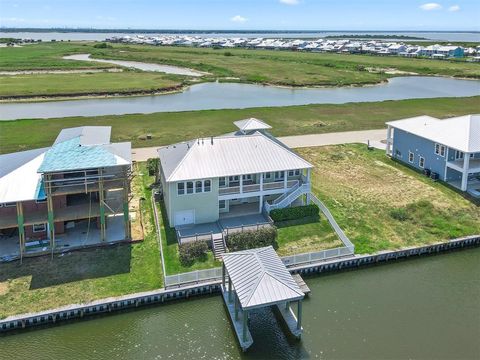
(260, 278)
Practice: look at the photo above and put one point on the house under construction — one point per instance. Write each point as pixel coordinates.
(71, 195)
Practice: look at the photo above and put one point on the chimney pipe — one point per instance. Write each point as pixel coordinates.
(211, 140)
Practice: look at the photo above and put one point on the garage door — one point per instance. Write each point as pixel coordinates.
(184, 217)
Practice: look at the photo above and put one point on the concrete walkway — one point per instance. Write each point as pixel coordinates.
(298, 141)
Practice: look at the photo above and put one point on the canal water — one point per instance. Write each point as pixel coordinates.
(235, 96)
(417, 309)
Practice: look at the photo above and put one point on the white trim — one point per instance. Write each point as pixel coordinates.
(421, 162)
(9, 204)
(411, 157)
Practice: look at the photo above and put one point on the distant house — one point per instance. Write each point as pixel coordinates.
(72, 194)
(449, 149)
(206, 179)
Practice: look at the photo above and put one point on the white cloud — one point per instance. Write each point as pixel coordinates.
(430, 6)
(238, 19)
(290, 2)
(13, 20)
(454, 8)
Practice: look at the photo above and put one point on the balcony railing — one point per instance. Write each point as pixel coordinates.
(256, 187)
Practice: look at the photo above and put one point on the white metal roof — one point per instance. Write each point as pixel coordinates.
(460, 133)
(89, 135)
(227, 156)
(260, 278)
(23, 182)
(251, 124)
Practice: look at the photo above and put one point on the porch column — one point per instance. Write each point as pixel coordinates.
(261, 181)
(223, 276)
(241, 184)
(50, 215)
(260, 205)
(285, 179)
(21, 229)
(466, 165)
(102, 205)
(126, 215)
(236, 308)
(299, 314)
(245, 324)
(389, 139)
(447, 157)
(229, 290)
(309, 175)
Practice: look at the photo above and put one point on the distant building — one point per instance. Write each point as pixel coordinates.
(449, 149)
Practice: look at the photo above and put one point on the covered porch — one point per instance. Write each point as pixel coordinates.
(257, 278)
(469, 169)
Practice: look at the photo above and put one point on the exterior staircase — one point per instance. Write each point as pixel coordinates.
(289, 197)
(218, 245)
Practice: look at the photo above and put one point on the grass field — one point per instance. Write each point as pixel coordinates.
(365, 190)
(168, 128)
(81, 276)
(170, 249)
(257, 66)
(78, 84)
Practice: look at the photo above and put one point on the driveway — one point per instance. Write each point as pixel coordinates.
(374, 136)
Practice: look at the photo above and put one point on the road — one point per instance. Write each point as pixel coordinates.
(297, 141)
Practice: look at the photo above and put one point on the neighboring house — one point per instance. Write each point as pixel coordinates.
(207, 178)
(449, 148)
(65, 195)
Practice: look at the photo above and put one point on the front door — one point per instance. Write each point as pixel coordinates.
(184, 217)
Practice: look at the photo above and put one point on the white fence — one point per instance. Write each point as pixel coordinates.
(317, 256)
(193, 277)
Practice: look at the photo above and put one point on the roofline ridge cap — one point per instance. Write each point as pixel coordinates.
(183, 160)
(286, 147)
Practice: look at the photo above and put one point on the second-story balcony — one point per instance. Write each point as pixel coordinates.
(252, 188)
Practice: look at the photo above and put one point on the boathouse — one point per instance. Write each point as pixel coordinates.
(257, 278)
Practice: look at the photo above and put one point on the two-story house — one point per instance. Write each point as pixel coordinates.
(450, 148)
(72, 194)
(208, 178)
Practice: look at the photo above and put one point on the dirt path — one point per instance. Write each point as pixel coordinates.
(298, 141)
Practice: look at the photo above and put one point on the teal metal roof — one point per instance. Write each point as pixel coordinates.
(71, 155)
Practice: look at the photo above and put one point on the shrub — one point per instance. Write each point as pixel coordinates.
(228, 53)
(102, 45)
(399, 214)
(152, 166)
(189, 252)
(293, 213)
(252, 239)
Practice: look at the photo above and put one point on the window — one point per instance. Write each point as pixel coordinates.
(291, 172)
(279, 175)
(181, 188)
(267, 175)
(247, 177)
(472, 155)
(207, 186)
(189, 187)
(222, 182)
(459, 155)
(297, 172)
(198, 186)
(421, 162)
(398, 153)
(440, 149)
(222, 204)
(39, 227)
(235, 178)
(411, 156)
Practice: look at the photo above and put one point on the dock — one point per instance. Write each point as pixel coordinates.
(301, 284)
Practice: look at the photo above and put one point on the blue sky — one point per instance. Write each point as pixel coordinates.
(244, 14)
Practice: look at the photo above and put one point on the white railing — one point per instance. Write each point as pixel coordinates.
(256, 187)
(303, 189)
(284, 195)
(193, 277)
(317, 256)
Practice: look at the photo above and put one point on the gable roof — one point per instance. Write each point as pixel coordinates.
(227, 156)
(260, 278)
(460, 133)
(251, 124)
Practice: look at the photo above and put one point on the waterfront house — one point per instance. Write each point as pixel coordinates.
(207, 179)
(72, 194)
(446, 149)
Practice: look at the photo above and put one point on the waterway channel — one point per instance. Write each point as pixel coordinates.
(424, 308)
(233, 96)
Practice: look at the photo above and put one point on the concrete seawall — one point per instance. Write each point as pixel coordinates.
(111, 305)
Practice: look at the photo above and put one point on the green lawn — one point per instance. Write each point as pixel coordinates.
(81, 83)
(168, 128)
(305, 235)
(170, 249)
(364, 189)
(81, 276)
(257, 66)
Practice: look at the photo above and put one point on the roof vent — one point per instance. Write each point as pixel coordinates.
(211, 140)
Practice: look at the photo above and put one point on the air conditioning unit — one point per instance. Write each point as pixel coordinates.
(434, 176)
